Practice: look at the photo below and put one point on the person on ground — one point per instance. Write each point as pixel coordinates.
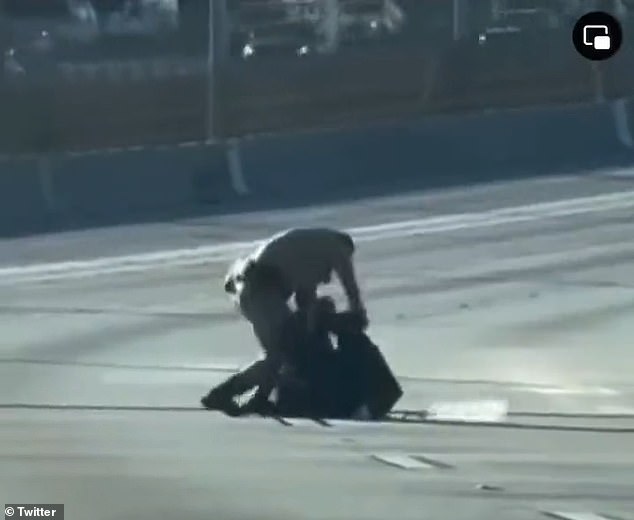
(291, 263)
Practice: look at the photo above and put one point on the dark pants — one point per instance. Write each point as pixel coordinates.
(299, 348)
(263, 373)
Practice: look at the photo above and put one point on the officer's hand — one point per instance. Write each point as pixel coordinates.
(363, 315)
(360, 317)
(230, 286)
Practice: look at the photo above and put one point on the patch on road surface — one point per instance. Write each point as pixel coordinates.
(410, 462)
(469, 411)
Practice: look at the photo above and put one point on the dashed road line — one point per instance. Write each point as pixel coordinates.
(563, 515)
(408, 462)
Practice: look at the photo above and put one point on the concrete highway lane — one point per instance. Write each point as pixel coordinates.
(519, 293)
(194, 465)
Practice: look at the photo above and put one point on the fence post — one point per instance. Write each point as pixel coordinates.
(599, 90)
(331, 25)
(457, 26)
(222, 29)
(211, 68)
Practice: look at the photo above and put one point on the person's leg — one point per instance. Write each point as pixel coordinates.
(240, 382)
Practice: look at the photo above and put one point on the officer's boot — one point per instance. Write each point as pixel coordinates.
(221, 397)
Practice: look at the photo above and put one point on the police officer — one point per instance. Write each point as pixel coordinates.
(291, 263)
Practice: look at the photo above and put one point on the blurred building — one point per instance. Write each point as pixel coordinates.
(43, 33)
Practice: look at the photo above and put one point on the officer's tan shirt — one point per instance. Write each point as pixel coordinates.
(306, 257)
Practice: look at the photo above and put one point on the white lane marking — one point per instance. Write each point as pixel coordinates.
(227, 251)
(569, 391)
(626, 173)
(616, 410)
(562, 515)
(355, 424)
(511, 264)
(489, 487)
(489, 411)
(212, 367)
(308, 423)
(403, 461)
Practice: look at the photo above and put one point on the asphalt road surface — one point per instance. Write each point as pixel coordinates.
(518, 294)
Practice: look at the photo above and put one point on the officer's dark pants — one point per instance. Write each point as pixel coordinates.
(271, 319)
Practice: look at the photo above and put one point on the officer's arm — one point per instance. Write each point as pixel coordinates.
(345, 273)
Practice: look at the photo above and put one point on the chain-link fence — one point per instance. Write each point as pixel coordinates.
(82, 74)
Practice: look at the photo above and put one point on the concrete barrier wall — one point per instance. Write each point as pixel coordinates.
(140, 180)
(22, 202)
(438, 151)
(133, 185)
(110, 187)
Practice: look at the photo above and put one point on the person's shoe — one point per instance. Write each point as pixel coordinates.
(221, 403)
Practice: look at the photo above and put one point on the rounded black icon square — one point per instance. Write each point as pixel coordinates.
(597, 36)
